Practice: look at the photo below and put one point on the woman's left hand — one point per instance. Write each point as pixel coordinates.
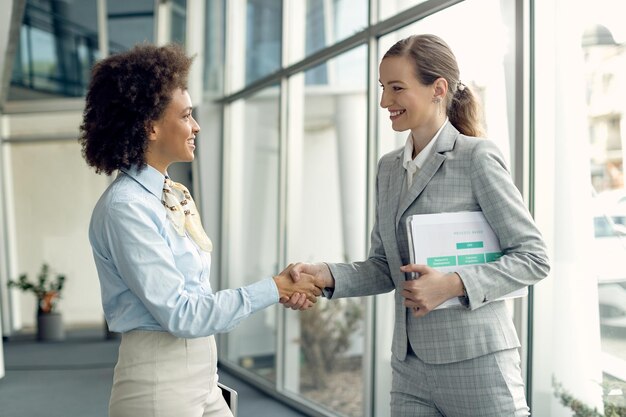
(431, 288)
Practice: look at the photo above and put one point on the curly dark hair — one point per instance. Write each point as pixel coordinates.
(127, 92)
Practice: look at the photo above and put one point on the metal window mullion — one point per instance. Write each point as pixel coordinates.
(29, 52)
(281, 339)
(103, 29)
(376, 30)
(6, 301)
(195, 14)
(163, 22)
(224, 276)
(223, 280)
(369, 396)
(529, 123)
(283, 122)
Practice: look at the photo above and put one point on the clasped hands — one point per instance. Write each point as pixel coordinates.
(421, 295)
(300, 284)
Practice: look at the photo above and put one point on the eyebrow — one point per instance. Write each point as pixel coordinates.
(392, 81)
(186, 109)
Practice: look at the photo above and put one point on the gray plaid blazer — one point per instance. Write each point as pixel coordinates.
(463, 174)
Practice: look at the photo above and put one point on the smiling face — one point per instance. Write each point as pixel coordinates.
(410, 103)
(172, 137)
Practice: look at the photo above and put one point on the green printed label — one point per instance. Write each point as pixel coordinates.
(469, 245)
(440, 261)
(493, 256)
(477, 258)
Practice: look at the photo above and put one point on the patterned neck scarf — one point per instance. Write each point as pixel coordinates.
(182, 212)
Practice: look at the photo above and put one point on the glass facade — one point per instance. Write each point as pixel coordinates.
(213, 65)
(263, 38)
(387, 9)
(58, 44)
(129, 23)
(326, 221)
(580, 201)
(336, 20)
(252, 230)
(291, 135)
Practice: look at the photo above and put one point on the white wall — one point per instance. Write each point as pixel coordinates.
(49, 199)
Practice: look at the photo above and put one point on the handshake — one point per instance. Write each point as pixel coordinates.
(300, 284)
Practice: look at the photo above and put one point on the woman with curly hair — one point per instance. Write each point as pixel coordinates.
(151, 252)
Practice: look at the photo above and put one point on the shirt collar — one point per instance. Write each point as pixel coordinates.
(150, 178)
(421, 157)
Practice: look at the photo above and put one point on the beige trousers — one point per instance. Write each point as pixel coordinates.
(160, 375)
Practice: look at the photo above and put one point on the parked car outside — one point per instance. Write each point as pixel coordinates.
(610, 256)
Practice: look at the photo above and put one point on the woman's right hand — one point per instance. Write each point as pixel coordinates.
(320, 270)
(306, 286)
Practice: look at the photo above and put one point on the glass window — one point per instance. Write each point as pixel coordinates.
(179, 22)
(58, 45)
(326, 206)
(214, 47)
(316, 24)
(388, 8)
(263, 38)
(252, 228)
(324, 165)
(580, 313)
(254, 51)
(129, 23)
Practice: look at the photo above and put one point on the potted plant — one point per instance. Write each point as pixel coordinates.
(615, 408)
(47, 289)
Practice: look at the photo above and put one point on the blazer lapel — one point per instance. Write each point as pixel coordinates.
(445, 143)
(396, 181)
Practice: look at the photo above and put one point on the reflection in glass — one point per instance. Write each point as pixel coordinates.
(214, 47)
(388, 8)
(252, 243)
(179, 22)
(604, 55)
(57, 47)
(580, 140)
(263, 38)
(129, 23)
(326, 208)
(329, 22)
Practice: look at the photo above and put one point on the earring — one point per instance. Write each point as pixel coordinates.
(438, 101)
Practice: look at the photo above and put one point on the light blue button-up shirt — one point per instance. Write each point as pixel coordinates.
(153, 279)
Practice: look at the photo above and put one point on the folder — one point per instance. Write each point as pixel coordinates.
(230, 395)
(449, 242)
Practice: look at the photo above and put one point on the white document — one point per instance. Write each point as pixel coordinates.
(450, 241)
